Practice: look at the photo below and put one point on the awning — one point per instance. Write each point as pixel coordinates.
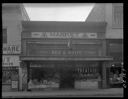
(24, 58)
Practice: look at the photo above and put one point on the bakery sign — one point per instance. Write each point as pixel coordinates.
(11, 49)
(63, 35)
(9, 60)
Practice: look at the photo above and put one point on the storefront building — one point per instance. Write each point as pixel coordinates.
(10, 70)
(112, 13)
(63, 55)
(115, 71)
(12, 14)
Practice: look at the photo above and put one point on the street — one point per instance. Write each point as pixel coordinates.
(113, 92)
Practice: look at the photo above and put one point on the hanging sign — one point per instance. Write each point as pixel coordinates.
(11, 49)
(8, 60)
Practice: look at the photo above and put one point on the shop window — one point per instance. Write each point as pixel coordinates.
(4, 35)
(9, 74)
(116, 75)
(117, 15)
(43, 78)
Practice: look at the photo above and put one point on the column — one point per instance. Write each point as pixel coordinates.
(20, 78)
(104, 77)
(24, 76)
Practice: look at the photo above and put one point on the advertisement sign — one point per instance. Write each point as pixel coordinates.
(11, 49)
(14, 84)
(9, 60)
(63, 35)
(63, 52)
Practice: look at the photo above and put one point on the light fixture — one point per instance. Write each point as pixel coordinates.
(113, 65)
(122, 63)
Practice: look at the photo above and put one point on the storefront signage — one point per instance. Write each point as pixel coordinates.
(11, 49)
(62, 35)
(63, 52)
(8, 60)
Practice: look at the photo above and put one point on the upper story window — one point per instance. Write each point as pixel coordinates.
(117, 15)
(4, 35)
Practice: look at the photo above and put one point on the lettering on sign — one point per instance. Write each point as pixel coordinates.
(92, 35)
(63, 35)
(9, 60)
(11, 49)
(62, 52)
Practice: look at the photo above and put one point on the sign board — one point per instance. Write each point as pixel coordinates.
(9, 60)
(11, 49)
(14, 84)
(63, 52)
(63, 35)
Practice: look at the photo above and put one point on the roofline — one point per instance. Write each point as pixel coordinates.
(24, 11)
(20, 6)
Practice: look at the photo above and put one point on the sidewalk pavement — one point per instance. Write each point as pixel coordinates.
(113, 92)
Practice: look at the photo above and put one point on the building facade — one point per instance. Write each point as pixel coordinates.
(64, 55)
(12, 15)
(112, 13)
(55, 55)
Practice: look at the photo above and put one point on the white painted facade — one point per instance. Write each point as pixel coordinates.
(103, 12)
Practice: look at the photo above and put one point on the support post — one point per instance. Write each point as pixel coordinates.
(24, 76)
(104, 75)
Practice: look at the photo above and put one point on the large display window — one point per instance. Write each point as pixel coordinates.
(87, 76)
(116, 75)
(10, 78)
(9, 74)
(43, 77)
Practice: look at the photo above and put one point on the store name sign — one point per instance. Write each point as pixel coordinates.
(63, 52)
(62, 35)
(8, 60)
(11, 49)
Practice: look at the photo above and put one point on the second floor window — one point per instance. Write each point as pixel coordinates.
(117, 13)
(4, 36)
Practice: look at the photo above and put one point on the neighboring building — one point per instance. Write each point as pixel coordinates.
(64, 55)
(12, 15)
(112, 14)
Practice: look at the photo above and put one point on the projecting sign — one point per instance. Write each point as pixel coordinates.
(8, 60)
(11, 49)
(63, 35)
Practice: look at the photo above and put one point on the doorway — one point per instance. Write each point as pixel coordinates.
(66, 77)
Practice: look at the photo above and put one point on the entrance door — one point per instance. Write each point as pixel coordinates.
(66, 77)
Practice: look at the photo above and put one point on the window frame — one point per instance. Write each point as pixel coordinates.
(114, 24)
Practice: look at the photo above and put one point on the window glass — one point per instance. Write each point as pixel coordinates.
(4, 36)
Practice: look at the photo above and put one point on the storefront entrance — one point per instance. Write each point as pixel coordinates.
(115, 75)
(63, 75)
(67, 77)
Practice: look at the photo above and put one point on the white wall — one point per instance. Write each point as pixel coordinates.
(12, 22)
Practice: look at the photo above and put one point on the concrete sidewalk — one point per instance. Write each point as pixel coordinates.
(113, 92)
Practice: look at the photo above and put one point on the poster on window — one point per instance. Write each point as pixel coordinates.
(14, 84)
